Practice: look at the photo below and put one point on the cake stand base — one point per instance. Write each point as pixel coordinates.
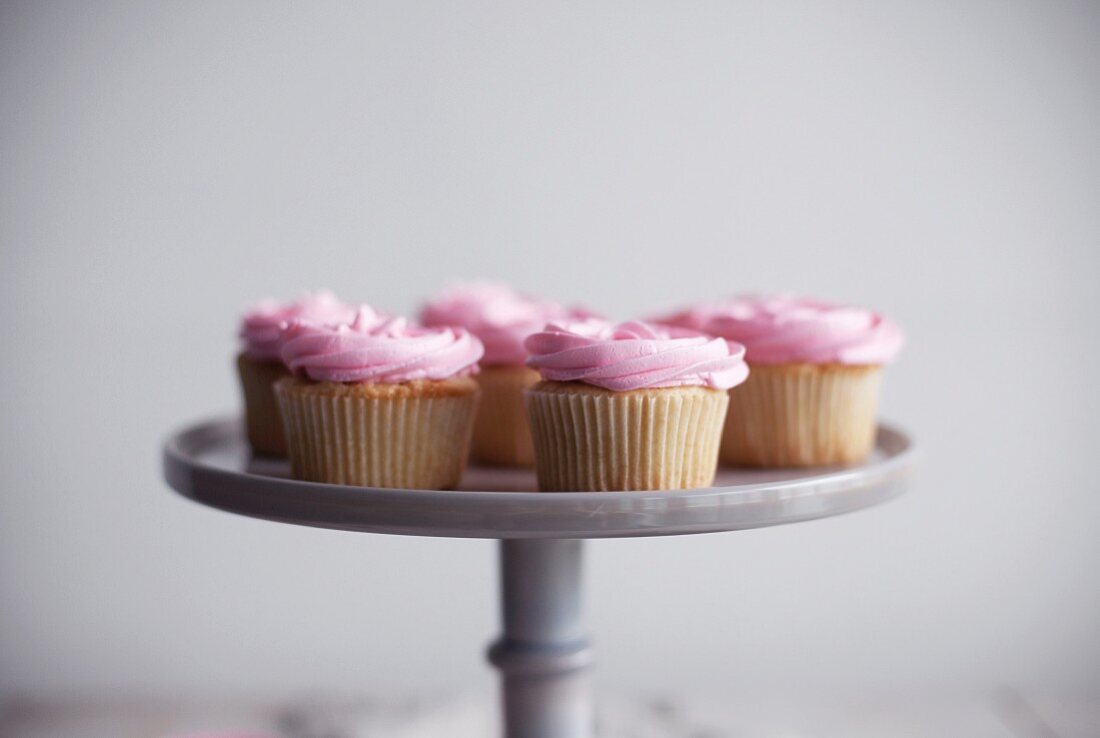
(544, 654)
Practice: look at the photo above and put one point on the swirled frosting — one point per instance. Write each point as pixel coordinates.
(372, 349)
(262, 324)
(783, 330)
(634, 355)
(498, 315)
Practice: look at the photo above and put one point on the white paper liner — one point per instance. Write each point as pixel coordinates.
(798, 416)
(409, 442)
(263, 425)
(593, 440)
(501, 433)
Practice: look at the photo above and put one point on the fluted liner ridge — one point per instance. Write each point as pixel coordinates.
(405, 442)
(590, 439)
(802, 415)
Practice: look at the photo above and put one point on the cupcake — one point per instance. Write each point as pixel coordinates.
(502, 318)
(628, 407)
(377, 402)
(816, 369)
(259, 365)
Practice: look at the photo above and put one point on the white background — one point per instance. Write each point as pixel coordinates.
(163, 165)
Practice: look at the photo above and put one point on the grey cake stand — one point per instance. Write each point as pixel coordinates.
(544, 653)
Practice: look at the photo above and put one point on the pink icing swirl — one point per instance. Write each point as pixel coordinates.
(262, 325)
(783, 330)
(634, 355)
(501, 317)
(373, 349)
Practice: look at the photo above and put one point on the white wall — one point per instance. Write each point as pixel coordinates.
(163, 165)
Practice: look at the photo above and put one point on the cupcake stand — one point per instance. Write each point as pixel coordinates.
(544, 653)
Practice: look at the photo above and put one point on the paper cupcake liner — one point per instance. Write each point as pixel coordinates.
(501, 434)
(403, 439)
(802, 415)
(263, 425)
(589, 439)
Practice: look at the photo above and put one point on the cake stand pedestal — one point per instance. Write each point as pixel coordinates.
(544, 653)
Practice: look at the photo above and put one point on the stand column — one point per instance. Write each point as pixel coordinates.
(544, 654)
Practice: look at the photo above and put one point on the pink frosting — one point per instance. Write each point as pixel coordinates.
(262, 324)
(634, 355)
(372, 349)
(501, 317)
(783, 330)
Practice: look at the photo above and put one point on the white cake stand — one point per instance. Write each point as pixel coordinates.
(544, 652)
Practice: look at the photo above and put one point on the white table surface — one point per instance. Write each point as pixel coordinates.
(993, 713)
